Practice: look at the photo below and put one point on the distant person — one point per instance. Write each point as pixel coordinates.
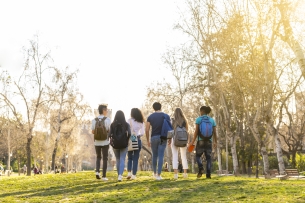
(100, 128)
(205, 132)
(158, 145)
(37, 171)
(137, 127)
(1, 169)
(180, 125)
(56, 169)
(119, 136)
(62, 169)
(24, 169)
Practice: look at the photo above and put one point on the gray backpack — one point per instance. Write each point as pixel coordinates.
(180, 137)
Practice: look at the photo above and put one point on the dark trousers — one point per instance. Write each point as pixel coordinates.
(206, 148)
(104, 151)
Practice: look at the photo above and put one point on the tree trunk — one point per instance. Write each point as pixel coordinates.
(28, 156)
(293, 161)
(8, 166)
(219, 158)
(265, 160)
(54, 155)
(234, 156)
(279, 154)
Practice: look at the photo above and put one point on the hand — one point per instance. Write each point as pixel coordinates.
(169, 142)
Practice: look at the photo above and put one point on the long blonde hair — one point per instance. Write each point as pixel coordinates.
(179, 118)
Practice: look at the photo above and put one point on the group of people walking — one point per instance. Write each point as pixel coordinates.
(125, 139)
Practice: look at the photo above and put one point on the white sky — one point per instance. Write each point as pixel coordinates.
(116, 45)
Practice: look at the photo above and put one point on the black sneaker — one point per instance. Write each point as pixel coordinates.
(208, 176)
(98, 176)
(200, 172)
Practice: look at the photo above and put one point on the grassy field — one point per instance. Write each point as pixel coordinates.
(83, 187)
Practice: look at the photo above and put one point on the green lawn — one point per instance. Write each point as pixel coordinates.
(83, 187)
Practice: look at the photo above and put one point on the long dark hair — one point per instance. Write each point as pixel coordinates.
(119, 118)
(137, 115)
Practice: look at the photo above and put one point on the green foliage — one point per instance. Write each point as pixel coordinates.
(83, 187)
(273, 163)
(300, 161)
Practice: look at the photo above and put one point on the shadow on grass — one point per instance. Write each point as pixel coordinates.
(83, 188)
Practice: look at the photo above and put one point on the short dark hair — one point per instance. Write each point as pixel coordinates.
(137, 115)
(157, 106)
(101, 108)
(206, 109)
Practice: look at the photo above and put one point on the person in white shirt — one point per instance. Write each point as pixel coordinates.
(136, 123)
(101, 146)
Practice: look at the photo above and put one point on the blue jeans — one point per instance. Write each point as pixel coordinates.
(133, 158)
(206, 148)
(158, 147)
(120, 155)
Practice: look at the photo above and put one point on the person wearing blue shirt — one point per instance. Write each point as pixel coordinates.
(158, 145)
(204, 146)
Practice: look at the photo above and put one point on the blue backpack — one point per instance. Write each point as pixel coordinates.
(167, 126)
(206, 128)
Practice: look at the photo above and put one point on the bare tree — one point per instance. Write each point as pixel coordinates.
(30, 90)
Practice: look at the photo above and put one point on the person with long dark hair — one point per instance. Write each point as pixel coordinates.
(120, 134)
(136, 123)
(204, 145)
(179, 120)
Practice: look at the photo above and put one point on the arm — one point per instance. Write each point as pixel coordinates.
(195, 134)
(214, 138)
(147, 128)
(129, 131)
(142, 131)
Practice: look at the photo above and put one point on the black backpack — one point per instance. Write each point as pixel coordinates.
(119, 137)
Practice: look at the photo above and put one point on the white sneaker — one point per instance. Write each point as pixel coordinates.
(185, 175)
(176, 176)
(120, 178)
(104, 179)
(129, 175)
(133, 177)
(158, 178)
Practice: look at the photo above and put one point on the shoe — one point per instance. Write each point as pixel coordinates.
(185, 175)
(128, 176)
(98, 176)
(104, 178)
(133, 177)
(208, 176)
(199, 173)
(159, 178)
(175, 176)
(120, 178)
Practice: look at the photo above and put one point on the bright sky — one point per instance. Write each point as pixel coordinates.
(116, 45)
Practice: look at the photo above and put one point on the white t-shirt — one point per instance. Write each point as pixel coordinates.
(107, 125)
(136, 127)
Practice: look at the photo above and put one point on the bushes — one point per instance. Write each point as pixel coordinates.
(300, 161)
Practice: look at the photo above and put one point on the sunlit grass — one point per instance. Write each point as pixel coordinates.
(83, 187)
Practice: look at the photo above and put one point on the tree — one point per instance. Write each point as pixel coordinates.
(29, 91)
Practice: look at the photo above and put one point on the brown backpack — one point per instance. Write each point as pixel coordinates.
(100, 132)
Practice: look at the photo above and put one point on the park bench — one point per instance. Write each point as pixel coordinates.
(290, 173)
(273, 173)
(223, 173)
